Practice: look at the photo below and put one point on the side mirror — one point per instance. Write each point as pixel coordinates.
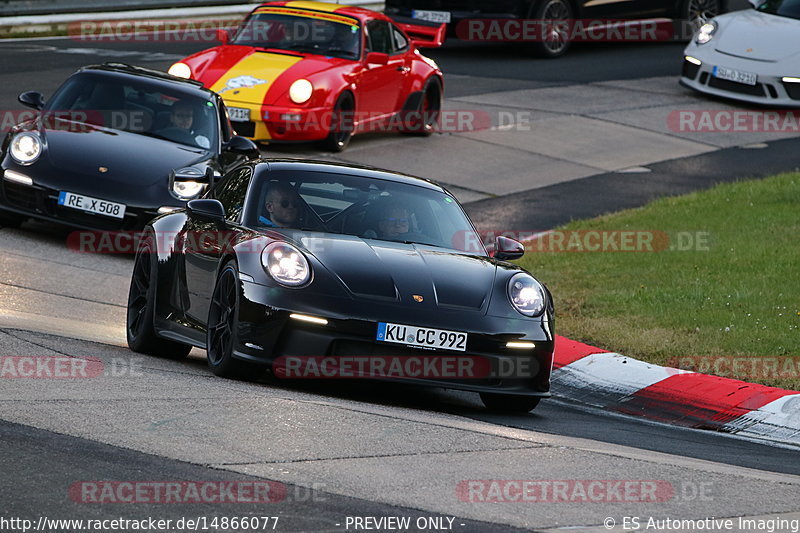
(206, 209)
(377, 58)
(506, 249)
(223, 36)
(241, 146)
(32, 99)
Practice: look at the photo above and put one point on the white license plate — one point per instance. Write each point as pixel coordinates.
(425, 337)
(431, 16)
(239, 114)
(730, 74)
(91, 205)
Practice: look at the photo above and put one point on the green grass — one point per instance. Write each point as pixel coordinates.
(739, 296)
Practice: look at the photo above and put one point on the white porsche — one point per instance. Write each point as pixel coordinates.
(751, 55)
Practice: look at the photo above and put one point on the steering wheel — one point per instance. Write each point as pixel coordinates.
(178, 135)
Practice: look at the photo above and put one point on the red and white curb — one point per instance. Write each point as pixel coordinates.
(611, 381)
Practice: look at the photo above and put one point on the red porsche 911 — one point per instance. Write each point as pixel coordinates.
(313, 71)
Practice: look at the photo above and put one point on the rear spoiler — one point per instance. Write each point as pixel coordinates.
(423, 34)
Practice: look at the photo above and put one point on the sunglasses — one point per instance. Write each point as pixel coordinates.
(396, 220)
(286, 204)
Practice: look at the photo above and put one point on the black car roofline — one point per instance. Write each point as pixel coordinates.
(125, 68)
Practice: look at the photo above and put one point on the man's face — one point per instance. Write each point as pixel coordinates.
(283, 209)
(182, 117)
(395, 223)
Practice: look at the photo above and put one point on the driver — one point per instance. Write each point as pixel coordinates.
(395, 222)
(182, 116)
(283, 206)
(181, 120)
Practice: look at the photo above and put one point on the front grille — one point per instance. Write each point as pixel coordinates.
(246, 129)
(793, 89)
(741, 88)
(349, 348)
(20, 196)
(73, 216)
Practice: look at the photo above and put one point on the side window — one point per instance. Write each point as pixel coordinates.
(379, 37)
(400, 41)
(231, 191)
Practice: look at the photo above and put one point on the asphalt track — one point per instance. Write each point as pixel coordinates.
(41, 279)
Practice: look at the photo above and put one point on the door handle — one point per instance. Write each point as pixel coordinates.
(403, 69)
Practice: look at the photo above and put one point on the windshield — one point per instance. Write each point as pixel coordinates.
(298, 30)
(783, 8)
(137, 107)
(363, 207)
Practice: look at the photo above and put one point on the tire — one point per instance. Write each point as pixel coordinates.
(139, 328)
(221, 331)
(695, 13)
(509, 403)
(424, 119)
(341, 124)
(557, 41)
(11, 220)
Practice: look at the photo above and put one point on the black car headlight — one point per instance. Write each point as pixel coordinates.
(706, 32)
(526, 294)
(26, 148)
(286, 264)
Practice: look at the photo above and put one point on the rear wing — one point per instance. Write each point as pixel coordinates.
(423, 34)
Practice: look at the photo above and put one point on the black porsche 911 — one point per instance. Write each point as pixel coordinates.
(113, 147)
(453, 12)
(320, 270)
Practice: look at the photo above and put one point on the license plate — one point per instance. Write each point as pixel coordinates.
(431, 16)
(91, 205)
(441, 339)
(239, 114)
(747, 78)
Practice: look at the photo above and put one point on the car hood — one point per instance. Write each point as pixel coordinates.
(758, 36)
(130, 159)
(255, 76)
(389, 271)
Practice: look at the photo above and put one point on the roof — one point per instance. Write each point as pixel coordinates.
(154, 75)
(359, 13)
(339, 168)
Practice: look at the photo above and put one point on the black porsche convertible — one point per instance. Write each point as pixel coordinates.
(320, 270)
(113, 147)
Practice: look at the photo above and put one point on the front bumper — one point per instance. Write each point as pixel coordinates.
(283, 124)
(41, 202)
(770, 89)
(267, 334)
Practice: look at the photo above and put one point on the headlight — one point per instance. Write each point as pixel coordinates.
(286, 264)
(26, 148)
(526, 294)
(186, 190)
(180, 70)
(706, 32)
(300, 91)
